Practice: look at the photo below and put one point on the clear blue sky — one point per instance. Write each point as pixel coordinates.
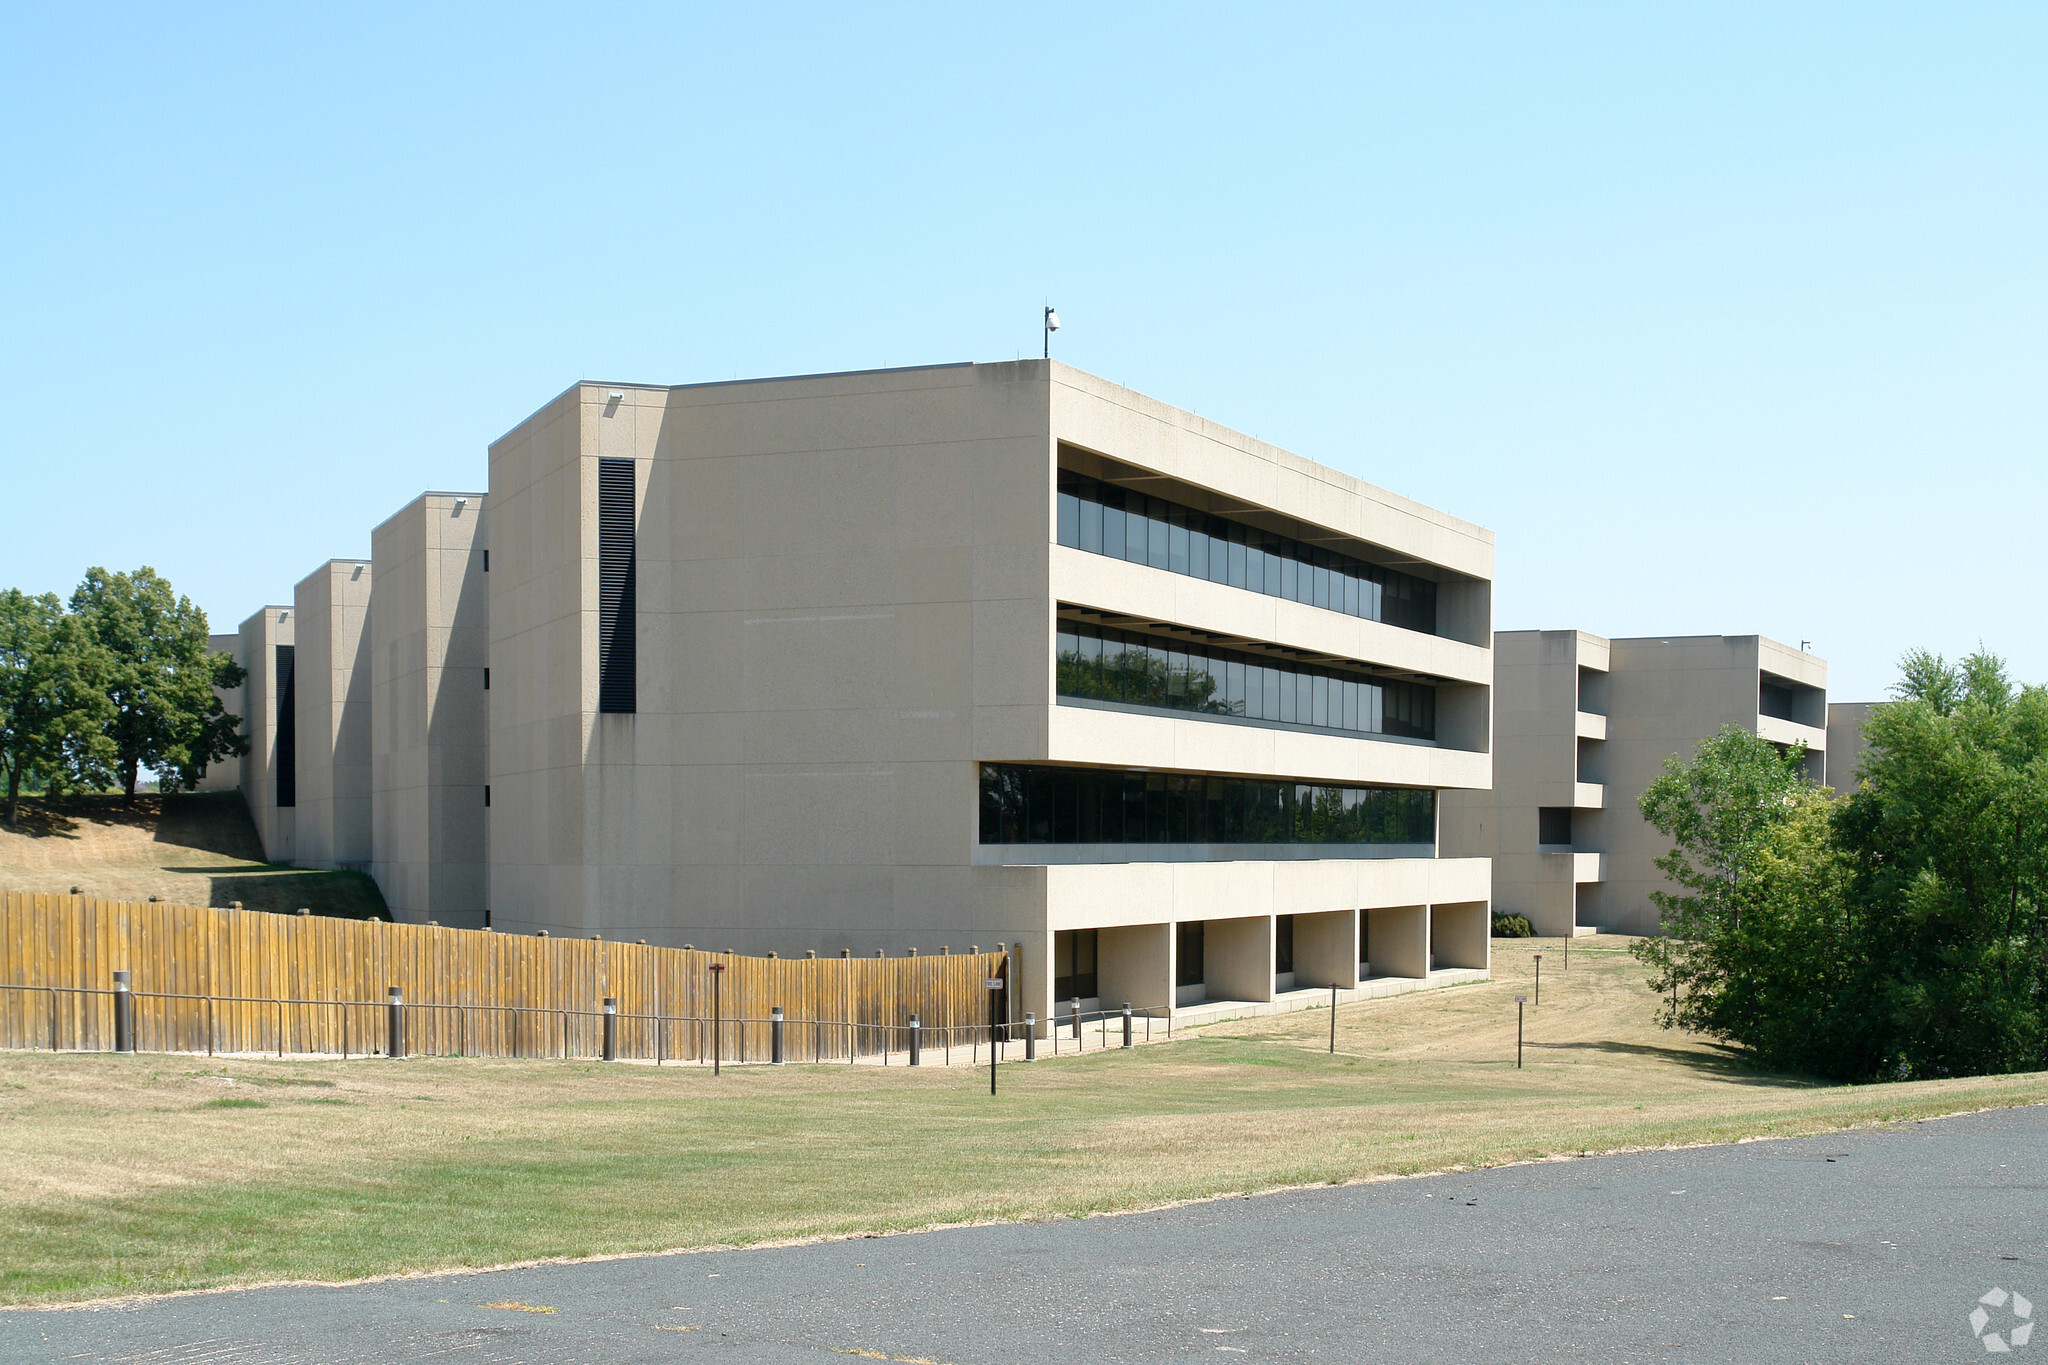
(1727, 320)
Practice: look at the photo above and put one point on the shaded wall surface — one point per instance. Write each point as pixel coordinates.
(331, 688)
(269, 776)
(428, 654)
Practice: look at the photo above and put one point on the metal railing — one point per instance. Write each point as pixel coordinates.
(89, 1018)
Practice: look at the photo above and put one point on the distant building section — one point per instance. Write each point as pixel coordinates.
(1846, 745)
(1582, 726)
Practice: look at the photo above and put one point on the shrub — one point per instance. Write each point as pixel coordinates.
(1512, 926)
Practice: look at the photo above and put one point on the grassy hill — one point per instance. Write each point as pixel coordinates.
(196, 849)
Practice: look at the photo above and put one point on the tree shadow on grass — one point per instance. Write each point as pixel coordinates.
(38, 819)
(1723, 1062)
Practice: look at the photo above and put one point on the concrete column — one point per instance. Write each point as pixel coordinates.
(1134, 962)
(1326, 950)
(1398, 939)
(1238, 958)
(1461, 935)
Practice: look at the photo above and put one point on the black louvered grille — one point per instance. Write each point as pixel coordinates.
(287, 731)
(616, 661)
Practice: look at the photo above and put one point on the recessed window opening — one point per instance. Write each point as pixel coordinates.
(1188, 967)
(287, 788)
(1073, 965)
(617, 639)
(1554, 825)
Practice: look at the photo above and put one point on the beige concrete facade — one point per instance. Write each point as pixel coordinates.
(428, 643)
(269, 777)
(332, 687)
(1583, 726)
(847, 588)
(1550, 703)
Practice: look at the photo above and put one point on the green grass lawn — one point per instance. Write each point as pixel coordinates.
(127, 1174)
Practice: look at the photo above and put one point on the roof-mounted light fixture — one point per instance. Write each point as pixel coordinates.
(1052, 324)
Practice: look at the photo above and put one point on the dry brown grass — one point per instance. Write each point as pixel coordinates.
(120, 1176)
(195, 849)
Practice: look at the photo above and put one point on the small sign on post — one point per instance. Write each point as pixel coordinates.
(994, 986)
(717, 970)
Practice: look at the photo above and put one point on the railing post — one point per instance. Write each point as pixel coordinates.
(394, 1022)
(775, 1035)
(1127, 1023)
(124, 1014)
(1075, 1006)
(1030, 1036)
(916, 1038)
(611, 1028)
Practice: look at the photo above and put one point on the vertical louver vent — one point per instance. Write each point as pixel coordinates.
(616, 641)
(287, 731)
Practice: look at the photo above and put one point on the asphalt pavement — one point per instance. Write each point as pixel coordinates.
(1868, 1246)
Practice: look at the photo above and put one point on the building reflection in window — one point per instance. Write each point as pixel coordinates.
(1102, 663)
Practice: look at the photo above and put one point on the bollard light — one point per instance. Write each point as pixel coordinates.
(394, 1022)
(124, 1014)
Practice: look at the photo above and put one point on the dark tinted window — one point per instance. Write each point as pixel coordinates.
(1554, 825)
(1104, 518)
(1188, 968)
(1102, 663)
(617, 638)
(1033, 804)
(1073, 964)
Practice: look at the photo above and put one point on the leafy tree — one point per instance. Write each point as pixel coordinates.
(1902, 932)
(161, 677)
(54, 707)
(1948, 844)
(1749, 856)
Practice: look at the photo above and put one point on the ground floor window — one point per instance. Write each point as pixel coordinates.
(1073, 964)
(1188, 969)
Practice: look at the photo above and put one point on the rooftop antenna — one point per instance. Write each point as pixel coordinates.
(1052, 324)
(1803, 644)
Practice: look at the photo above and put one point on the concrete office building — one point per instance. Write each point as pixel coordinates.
(1582, 726)
(933, 659)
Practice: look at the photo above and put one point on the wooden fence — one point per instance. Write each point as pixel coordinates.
(247, 981)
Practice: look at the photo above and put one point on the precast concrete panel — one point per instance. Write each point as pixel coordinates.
(428, 649)
(263, 635)
(332, 689)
